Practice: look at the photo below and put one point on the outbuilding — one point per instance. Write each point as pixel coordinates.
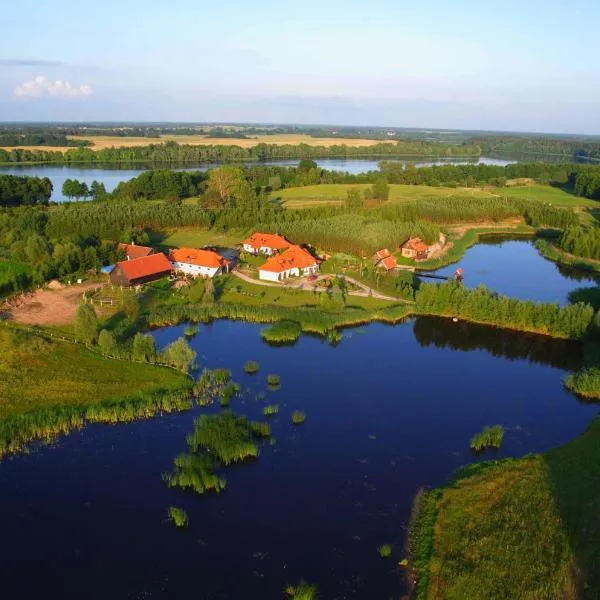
(198, 263)
(140, 270)
(132, 251)
(384, 259)
(415, 248)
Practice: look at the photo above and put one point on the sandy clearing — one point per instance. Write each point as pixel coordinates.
(48, 307)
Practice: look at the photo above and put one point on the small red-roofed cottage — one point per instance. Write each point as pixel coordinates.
(198, 263)
(265, 243)
(295, 261)
(415, 248)
(385, 259)
(132, 251)
(140, 270)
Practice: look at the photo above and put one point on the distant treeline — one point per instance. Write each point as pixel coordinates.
(172, 152)
(569, 148)
(39, 139)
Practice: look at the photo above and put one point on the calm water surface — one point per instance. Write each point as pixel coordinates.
(515, 268)
(389, 410)
(112, 175)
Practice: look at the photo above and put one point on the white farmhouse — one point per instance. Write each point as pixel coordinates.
(295, 261)
(198, 263)
(265, 243)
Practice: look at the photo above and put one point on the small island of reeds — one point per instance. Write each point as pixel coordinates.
(298, 417)
(488, 437)
(281, 333)
(178, 516)
(251, 367)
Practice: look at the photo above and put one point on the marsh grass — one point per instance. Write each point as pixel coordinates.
(385, 550)
(270, 410)
(273, 380)
(282, 333)
(260, 429)
(298, 417)
(190, 331)
(178, 516)
(488, 437)
(251, 367)
(195, 473)
(302, 591)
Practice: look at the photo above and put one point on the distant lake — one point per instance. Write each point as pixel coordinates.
(111, 175)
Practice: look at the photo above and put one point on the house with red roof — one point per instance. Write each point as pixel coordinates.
(415, 248)
(198, 263)
(132, 251)
(384, 259)
(295, 261)
(140, 270)
(265, 243)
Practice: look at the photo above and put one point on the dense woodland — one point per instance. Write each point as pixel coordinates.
(172, 152)
(565, 147)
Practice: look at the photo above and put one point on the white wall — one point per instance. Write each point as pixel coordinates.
(196, 270)
(262, 250)
(268, 275)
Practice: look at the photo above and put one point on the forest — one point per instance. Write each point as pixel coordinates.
(15, 191)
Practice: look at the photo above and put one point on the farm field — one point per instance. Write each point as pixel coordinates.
(311, 195)
(105, 141)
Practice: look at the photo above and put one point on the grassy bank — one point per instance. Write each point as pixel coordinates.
(552, 252)
(49, 387)
(525, 528)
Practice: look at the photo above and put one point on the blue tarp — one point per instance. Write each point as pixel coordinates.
(107, 270)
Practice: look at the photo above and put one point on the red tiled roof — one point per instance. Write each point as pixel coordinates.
(145, 266)
(267, 240)
(201, 258)
(417, 244)
(383, 253)
(389, 262)
(293, 257)
(133, 251)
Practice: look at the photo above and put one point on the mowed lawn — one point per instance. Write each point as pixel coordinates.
(35, 373)
(311, 195)
(107, 141)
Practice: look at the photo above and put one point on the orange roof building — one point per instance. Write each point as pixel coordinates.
(134, 251)
(415, 248)
(198, 263)
(140, 270)
(385, 259)
(295, 261)
(265, 243)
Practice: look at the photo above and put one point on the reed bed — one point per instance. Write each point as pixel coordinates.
(282, 333)
(178, 516)
(251, 367)
(298, 417)
(194, 473)
(488, 437)
(385, 550)
(270, 410)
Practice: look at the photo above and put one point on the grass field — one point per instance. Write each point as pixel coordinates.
(524, 528)
(194, 237)
(311, 195)
(36, 373)
(106, 141)
(544, 193)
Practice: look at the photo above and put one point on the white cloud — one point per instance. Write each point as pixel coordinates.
(41, 86)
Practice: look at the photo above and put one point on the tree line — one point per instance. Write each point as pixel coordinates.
(15, 190)
(564, 147)
(40, 139)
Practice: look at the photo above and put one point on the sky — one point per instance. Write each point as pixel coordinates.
(526, 65)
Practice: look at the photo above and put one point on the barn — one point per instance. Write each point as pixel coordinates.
(140, 270)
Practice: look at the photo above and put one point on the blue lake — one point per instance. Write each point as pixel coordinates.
(514, 267)
(389, 410)
(112, 175)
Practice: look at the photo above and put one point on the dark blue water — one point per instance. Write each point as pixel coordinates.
(515, 268)
(112, 175)
(389, 410)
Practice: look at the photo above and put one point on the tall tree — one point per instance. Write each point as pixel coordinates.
(86, 324)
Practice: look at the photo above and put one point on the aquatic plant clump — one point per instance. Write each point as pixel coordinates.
(226, 436)
(298, 417)
(273, 380)
(282, 332)
(178, 516)
(385, 550)
(190, 331)
(260, 429)
(251, 367)
(488, 437)
(195, 473)
(302, 591)
(270, 410)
